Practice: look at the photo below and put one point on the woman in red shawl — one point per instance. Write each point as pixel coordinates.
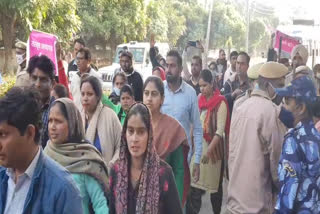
(215, 118)
(141, 183)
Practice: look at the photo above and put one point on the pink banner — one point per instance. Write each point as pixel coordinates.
(288, 42)
(41, 43)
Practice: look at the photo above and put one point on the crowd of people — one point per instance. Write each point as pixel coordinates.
(160, 145)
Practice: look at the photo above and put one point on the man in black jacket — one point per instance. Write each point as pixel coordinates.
(133, 77)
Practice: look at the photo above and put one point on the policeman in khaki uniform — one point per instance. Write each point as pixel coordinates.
(22, 74)
(256, 137)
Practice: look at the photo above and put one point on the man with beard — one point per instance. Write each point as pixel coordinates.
(196, 67)
(221, 67)
(181, 103)
(256, 136)
(133, 77)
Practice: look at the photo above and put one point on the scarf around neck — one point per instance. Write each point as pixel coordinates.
(93, 124)
(209, 105)
(80, 158)
(148, 192)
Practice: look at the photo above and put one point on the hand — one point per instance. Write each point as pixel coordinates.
(205, 159)
(236, 93)
(215, 151)
(196, 172)
(152, 41)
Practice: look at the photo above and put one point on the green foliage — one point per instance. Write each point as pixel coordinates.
(227, 26)
(9, 82)
(115, 21)
(157, 22)
(176, 21)
(196, 23)
(52, 16)
(257, 34)
(56, 17)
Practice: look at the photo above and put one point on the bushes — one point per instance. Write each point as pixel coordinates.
(9, 82)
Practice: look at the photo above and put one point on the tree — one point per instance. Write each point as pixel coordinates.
(57, 17)
(9, 13)
(112, 22)
(196, 23)
(228, 26)
(157, 22)
(256, 34)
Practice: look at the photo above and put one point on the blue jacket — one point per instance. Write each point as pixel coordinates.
(52, 190)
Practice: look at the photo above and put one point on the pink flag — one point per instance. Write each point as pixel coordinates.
(288, 42)
(41, 43)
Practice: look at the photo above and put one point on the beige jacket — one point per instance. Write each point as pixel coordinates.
(23, 78)
(256, 137)
(106, 123)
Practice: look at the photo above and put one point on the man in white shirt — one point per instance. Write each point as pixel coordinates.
(83, 62)
(232, 69)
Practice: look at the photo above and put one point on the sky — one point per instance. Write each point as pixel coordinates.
(287, 9)
(300, 9)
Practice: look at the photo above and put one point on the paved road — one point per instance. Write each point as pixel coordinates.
(206, 204)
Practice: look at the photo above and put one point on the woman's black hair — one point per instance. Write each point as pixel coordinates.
(95, 84)
(141, 110)
(61, 90)
(157, 81)
(127, 89)
(206, 75)
(120, 74)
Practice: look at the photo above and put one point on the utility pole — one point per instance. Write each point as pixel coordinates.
(208, 35)
(248, 26)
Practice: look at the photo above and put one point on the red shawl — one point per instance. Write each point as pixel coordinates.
(210, 105)
(63, 77)
(162, 72)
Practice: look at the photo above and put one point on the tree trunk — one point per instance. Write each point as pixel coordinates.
(7, 22)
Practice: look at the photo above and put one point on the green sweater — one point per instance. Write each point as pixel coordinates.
(91, 193)
(116, 108)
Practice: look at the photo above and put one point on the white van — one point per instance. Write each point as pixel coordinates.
(142, 63)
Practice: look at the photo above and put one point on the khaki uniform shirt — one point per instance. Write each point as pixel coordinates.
(23, 78)
(256, 138)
